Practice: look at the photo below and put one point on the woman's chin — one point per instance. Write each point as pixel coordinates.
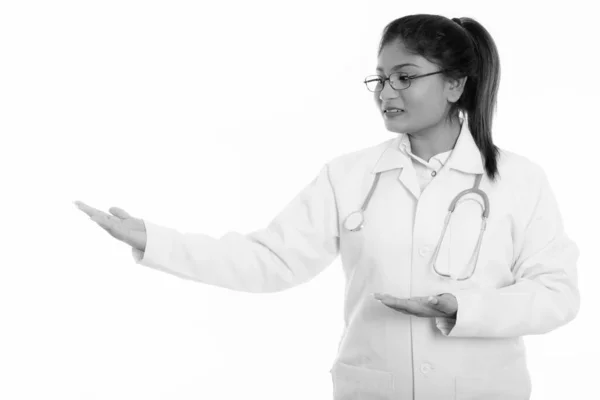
(394, 125)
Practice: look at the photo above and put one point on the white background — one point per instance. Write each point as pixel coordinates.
(210, 117)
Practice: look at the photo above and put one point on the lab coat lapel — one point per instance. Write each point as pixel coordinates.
(394, 158)
(457, 174)
(466, 156)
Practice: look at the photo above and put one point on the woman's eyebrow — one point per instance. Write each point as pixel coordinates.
(379, 69)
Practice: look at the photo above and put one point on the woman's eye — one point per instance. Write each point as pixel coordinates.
(403, 77)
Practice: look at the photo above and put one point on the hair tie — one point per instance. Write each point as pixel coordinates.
(458, 21)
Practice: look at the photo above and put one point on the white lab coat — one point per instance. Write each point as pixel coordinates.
(525, 282)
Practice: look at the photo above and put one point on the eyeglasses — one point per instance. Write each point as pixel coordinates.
(398, 80)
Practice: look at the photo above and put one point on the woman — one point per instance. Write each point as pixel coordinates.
(436, 303)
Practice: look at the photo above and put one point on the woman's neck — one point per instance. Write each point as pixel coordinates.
(439, 139)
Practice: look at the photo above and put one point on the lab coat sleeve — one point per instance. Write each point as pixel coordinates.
(298, 244)
(545, 293)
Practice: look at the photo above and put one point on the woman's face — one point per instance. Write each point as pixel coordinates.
(424, 102)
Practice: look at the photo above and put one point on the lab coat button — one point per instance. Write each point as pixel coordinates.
(424, 250)
(426, 368)
(433, 173)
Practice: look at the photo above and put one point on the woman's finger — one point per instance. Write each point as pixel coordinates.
(90, 211)
(443, 303)
(439, 304)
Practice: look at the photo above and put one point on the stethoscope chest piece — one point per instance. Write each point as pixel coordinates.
(354, 221)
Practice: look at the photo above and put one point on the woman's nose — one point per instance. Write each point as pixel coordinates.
(388, 91)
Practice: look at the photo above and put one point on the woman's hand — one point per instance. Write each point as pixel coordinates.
(443, 305)
(120, 225)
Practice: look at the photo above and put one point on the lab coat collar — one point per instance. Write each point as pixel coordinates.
(465, 156)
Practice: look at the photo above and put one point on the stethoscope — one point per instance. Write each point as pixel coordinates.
(355, 221)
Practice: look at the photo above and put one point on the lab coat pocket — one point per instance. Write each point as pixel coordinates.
(506, 384)
(351, 382)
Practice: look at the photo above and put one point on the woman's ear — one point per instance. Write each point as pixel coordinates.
(456, 88)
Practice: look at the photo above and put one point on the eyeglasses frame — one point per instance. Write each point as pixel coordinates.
(409, 78)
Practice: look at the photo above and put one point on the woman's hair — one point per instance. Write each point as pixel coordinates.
(465, 48)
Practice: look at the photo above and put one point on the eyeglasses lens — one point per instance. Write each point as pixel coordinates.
(375, 83)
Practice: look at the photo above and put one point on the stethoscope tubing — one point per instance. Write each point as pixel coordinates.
(357, 219)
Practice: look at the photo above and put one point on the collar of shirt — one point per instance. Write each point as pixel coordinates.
(464, 157)
(434, 163)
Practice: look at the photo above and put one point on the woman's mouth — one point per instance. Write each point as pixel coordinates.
(393, 113)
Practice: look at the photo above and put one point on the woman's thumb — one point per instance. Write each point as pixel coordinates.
(119, 212)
